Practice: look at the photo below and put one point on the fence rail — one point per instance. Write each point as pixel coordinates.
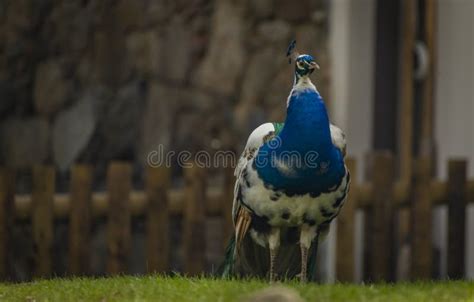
(382, 200)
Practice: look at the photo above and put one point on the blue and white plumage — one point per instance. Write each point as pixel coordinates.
(291, 182)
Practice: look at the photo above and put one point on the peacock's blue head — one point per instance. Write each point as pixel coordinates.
(305, 65)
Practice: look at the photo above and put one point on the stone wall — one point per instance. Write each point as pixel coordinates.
(97, 80)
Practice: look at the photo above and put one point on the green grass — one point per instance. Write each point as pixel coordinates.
(156, 288)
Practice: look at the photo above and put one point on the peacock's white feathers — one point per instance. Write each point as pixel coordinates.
(257, 138)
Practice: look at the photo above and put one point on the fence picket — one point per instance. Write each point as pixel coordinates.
(457, 171)
(226, 203)
(119, 233)
(7, 192)
(381, 224)
(42, 218)
(345, 257)
(80, 219)
(421, 221)
(157, 221)
(194, 222)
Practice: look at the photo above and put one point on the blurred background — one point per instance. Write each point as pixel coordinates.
(96, 81)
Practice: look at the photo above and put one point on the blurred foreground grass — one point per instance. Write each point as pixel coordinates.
(157, 288)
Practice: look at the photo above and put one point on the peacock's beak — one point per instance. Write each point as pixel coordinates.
(313, 65)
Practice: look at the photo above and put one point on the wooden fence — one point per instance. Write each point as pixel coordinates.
(383, 199)
(395, 209)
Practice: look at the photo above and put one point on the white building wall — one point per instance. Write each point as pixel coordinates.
(352, 36)
(455, 104)
(352, 66)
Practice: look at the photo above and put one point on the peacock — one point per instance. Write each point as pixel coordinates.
(291, 182)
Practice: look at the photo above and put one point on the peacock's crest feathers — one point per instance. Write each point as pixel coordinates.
(291, 52)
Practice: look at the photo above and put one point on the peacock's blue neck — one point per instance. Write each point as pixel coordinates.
(306, 135)
(307, 123)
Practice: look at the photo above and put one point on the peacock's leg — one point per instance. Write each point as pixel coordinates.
(304, 263)
(306, 237)
(274, 244)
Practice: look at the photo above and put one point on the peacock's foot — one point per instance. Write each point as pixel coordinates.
(272, 266)
(273, 278)
(304, 264)
(274, 243)
(303, 278)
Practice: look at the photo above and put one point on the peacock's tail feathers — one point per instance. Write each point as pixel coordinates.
(226, 269)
